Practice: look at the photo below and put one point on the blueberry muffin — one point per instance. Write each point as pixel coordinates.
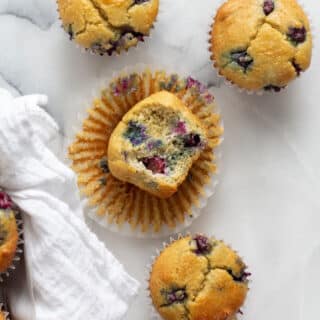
(198, 278)
(119, 203)
(261, 44)
(8, 232)
(155, 144)
(107, 26)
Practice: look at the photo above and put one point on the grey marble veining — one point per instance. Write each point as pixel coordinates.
(267, 204)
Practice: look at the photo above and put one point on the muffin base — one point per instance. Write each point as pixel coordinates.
(142, 215)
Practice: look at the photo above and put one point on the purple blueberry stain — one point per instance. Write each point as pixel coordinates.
(268, 7)
(195, 84)
(242, 58)
(154, 144)
(297, 35)
(180, 128)
(156, 164)
(136, 133)
(5, 201)
(201, 244)
(192, 140)
(125, 85)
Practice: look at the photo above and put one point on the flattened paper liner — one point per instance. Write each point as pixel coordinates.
(145, 39)
(123, 207)
(154, 315)
(231, 84)
(19, 251)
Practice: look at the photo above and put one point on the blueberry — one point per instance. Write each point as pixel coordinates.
(136, 133)
(201, 244)
(297, 35)
(176, 296)
(192, 140)
(268, 7)
(242, 58)
(156, 164)
(5, 201)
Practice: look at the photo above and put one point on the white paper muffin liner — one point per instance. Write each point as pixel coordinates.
(154, 315)
(126, 229)
(140, 44)
(232, 85)
(19, 251)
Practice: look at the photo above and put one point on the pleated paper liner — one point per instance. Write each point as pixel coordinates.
(19, 251)
(233, 85)
(123, 207)
(154, 315)
(141, 40)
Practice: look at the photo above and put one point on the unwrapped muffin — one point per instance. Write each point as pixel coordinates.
(155, 144)
(198, 278)
(261, 44)
(107, 26)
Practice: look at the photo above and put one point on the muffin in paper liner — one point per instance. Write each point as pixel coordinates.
(12, 223)
(94, 16)
(178, 299)
(243, 55)
(121, 206)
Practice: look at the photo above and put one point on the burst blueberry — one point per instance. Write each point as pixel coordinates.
(192, 140)
(5, 201)
(297, 35)
(136, 133)
(268, 7)
(201, 244)
(242, 58)
(156, 164)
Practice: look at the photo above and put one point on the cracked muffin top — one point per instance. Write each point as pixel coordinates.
(8, 232)
(261, 44)
(107, 26)
(156, 143)
(198, 278)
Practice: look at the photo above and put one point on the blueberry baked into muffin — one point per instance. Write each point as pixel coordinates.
(198, 278)
(261, 44)
(8, 232)
(155, 144)
(184, 132)
(107, 26)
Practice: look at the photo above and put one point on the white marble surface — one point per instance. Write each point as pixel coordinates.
(267, 205)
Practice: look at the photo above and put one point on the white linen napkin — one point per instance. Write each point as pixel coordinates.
(72, 275)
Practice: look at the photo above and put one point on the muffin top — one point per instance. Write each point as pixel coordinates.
(107, 26)
(8, 232)
(261, 44)
(156, 143)
(198, 278)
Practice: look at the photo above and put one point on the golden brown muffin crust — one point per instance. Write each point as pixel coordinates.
(261, 44)
(105, 26)
(8, 238)
(198, 284)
